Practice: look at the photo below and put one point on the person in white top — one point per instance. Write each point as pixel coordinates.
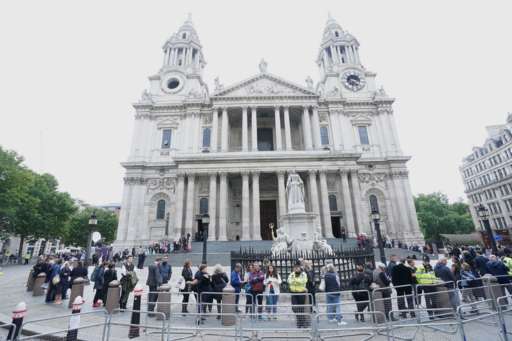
(272, 282)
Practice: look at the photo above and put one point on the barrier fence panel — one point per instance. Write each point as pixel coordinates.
(297, 323)
(84, 326)
(434, 324)
(151, 326)
(505, 310)
(438, 300)
(7, 328)
(399, 297)
(327, 328)
(194, 324)
(479, 321)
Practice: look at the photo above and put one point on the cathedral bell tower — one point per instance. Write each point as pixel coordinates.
(341, 71)
(180, 77)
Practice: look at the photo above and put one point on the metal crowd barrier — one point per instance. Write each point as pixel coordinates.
(120, 327)
(10, 328)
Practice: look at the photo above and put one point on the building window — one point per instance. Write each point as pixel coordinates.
(324, 136)
(166, 138)
(206, 137)
(363, 135)
(160, 209)
(374, 204)
(333, 203)
(184, 36)
(203, 206)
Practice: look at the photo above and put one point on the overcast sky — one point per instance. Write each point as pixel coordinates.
(70, 70)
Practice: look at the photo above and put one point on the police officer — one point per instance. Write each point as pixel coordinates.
(426, 279)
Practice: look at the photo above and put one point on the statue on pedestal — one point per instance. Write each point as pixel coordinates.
(295, 194)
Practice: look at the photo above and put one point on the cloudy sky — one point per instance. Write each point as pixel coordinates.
(69, 71)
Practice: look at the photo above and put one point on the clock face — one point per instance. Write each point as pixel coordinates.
(353, 80)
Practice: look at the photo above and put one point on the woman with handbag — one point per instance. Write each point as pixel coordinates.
(256, 278)
(54, 281)
(272, 283)
(219, 282)
(382, 280)
(188, 277)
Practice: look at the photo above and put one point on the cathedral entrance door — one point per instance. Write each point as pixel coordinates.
(336, 227)
(265, 139)
(268, 214)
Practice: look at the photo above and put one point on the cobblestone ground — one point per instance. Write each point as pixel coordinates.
(284, 327)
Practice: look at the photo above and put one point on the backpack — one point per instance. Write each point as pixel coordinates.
(94, 274)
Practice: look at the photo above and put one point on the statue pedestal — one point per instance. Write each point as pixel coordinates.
(300, 228)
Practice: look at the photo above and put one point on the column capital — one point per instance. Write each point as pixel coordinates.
(252, 107)
(180, 173)
(312, 171)
(245, 172)
(212, 174)
(255, 173)
(222, 173)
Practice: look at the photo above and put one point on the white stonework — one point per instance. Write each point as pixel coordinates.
(194, 150)
(487, 176)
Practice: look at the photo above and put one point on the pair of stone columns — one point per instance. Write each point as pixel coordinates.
(311, 129)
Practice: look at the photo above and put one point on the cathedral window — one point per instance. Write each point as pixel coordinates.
(363, 135)
(160, 209)
(324, 136)
(337, 34)
(203, 206)
(206, 137)
(333, 204)
(166, 138)
(374, 204)
(184, 36)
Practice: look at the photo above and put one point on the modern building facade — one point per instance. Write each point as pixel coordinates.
(487, 176)
(227, 152)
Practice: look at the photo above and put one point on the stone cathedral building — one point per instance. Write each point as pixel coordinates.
(228, 151)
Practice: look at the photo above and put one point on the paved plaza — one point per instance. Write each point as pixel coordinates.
(484, 327)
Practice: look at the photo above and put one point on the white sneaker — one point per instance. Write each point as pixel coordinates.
(332, 321)
(342, 323)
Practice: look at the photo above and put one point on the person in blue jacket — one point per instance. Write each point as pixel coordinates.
(497, 268)
(236, 282)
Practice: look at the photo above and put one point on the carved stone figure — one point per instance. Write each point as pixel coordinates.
(281, 242)
(309, 83)
(263, 66)
(218, 86)
(320, 244)
(295, 194)
(146, 96)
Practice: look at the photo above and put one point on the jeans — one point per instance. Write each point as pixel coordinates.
(454, 298)
(334, 307)
(272, 299)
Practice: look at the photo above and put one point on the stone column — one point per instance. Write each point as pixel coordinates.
(357, 206)
(306, 127)
(256, 229)
(347, 204)
(338, 130)
(254, 129)
(282, 193)
(412, 215)
(326, 211)
(246, 228)
(212, 207)
(223, 206)
(180, 192)
(334, 130)
(215, 130)
(245, 139)
(316, 129)
(277, 121)
(224, 130)
(287, 130)
(189, 218)
(313, 193)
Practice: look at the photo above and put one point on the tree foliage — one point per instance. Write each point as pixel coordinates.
(436, 215)
(78, 227)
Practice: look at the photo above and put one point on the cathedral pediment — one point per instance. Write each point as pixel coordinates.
(266, 85)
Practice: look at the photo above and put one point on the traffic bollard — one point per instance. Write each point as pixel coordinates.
(163, 302)
(17, 319)
(228, 306)
(135, 320)
(74, 320)
(113, 295)
(30, 281)
(38, 289)
(77, 289)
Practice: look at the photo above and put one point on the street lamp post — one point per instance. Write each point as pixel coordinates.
(93, 221)
(376, 223)
(483, 213)
(205, 220)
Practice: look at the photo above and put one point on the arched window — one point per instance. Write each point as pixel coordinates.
(374, 204)
(203, 206)
(333, 204)
(160, 209)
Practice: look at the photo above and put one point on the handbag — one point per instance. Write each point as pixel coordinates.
(321, 287)
(56, 280)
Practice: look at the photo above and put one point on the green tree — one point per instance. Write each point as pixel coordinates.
(436, 215)
(77, 230)
(30, 204)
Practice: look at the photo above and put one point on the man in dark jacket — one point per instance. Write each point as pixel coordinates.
(165, 270)
(154, 281)
(497, 268)
(444, 273)
(391, 264)
(403, 280)
(481, 263)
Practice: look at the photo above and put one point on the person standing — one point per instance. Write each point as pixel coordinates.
(98, 278)
(203, 285)
(141, 258)
(219, 282)
(381, 278)
(426, 279)
(297, 281)
(343, 234)
(79, 271)
(165, 270)
(188, 277)
(236, 283)
(247, 288)
(65, 276)
(153, 282)
(498, 269)
(256, 278)
(310, 285)
(128, 281)
(54, 280)
(481, 263)
(360, 286)
(109, 275)
(333, 298)
(403, 281)
(442, 271)
(393, 260)
(272, 284)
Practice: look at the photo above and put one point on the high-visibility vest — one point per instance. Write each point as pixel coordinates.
(297, 283)
(508, 263)
(423, 277)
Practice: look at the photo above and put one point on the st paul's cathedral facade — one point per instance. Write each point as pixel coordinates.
(228, 152)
